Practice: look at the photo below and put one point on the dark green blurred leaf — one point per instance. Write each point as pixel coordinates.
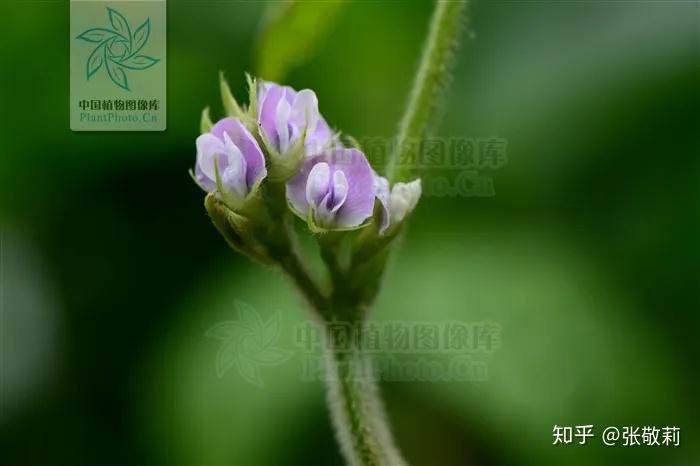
(290, 34)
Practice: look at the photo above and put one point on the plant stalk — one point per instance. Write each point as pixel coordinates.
(431, 80)
(356, 407)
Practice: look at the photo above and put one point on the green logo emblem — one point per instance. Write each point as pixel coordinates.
(248, 343)
(118, 49)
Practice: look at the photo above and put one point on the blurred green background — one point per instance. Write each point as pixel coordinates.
(587, 255)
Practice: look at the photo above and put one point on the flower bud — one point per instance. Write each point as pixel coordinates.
(404, 197)
(397, 202)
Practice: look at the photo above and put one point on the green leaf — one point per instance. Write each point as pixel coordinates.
(117, 74)
(96, 35)
(139, 62)
(140, 36)
(291, 33)
(119, 23)
(95, 60)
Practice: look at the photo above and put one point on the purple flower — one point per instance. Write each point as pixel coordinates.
(282, 114)
(397, 202)
(240, 161)
(333, 190)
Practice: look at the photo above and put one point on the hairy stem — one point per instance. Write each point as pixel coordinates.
(356, 408)
(430, 81)
(353, 397)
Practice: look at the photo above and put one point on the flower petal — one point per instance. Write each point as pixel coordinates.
(318, 184)
(209, 150)
(382, 192)
(355, 188)
(340, 190)
(282, 129)
(240, 161)
(249, 147)
(263, 88)
(304, 110)
(296, 188)
(302, 104)
(233, 177)
(404, 197)
(203, 180)
(267, 112)
(359, 202)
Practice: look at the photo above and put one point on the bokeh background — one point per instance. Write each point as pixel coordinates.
(587, 254)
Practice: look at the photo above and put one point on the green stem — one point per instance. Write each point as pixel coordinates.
(430, 81)
(282, 244)
(328, 245)
(356, 408)
(290, 263)
(353, 397)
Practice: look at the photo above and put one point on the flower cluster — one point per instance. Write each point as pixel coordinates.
(281, 138)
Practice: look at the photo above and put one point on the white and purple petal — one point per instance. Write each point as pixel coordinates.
(283, 113)
(335, 187)
(240, 161)
(403, 199)
(382, 192)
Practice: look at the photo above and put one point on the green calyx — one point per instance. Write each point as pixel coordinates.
(231, 107)
(239, 231)
(205, 123)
